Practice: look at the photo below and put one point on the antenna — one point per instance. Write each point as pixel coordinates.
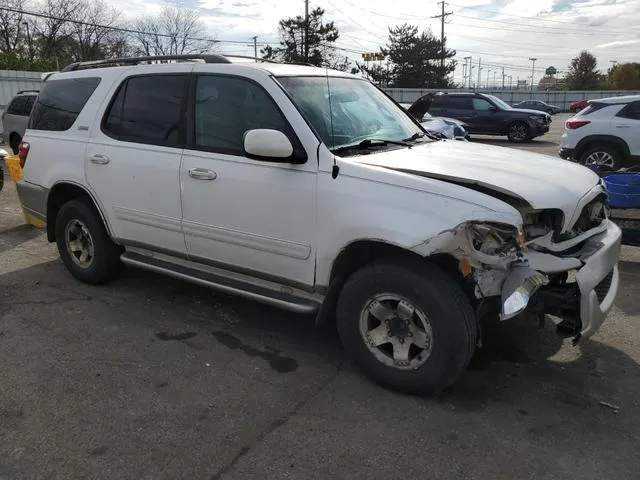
(336, 169)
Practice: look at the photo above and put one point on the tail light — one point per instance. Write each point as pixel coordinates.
(23, 151)
(573, 124)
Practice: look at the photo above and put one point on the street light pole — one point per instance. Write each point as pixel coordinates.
(533, 68)
(488, 72)
(468, 71)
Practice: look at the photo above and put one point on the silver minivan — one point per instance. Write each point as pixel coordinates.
(16, 117)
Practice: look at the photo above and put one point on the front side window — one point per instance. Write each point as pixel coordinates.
(481, 105)
(227, 107)
(498, 102)
(347, 111)
(148, 109)
(59, 103)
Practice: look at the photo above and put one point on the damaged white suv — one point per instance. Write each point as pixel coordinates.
(313, 191)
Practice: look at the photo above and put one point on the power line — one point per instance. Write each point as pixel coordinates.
(543, 29)
(122, 29)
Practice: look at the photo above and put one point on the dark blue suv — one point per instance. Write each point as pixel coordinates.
(488, 115)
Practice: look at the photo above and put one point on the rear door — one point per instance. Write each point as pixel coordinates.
(457, 107)
(133, 156)
(626, 125)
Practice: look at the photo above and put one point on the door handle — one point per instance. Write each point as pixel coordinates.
(622, 126)
(202, 174)
(99, 159)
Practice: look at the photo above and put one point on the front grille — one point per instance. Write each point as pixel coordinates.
(603, 287)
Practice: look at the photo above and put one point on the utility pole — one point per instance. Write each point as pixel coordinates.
(503, 75)
(533, 68)
(495, 84)
(255, 47)
(479, 70)
(306, 30)
(443, 16)
(488, 72)
(468, 70)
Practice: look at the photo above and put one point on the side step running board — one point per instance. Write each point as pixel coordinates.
(219, 282)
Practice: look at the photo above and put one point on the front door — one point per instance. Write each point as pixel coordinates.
(239, 213)
(486, 116)
(133, 157)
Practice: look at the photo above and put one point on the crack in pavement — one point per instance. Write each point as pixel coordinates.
(275, 425)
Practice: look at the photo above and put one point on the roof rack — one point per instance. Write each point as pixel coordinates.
(265, 60)
(115, 62)
(27, 91)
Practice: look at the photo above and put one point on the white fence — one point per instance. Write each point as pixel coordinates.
(560, 98)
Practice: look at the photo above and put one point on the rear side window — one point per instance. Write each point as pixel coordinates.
(29, 104)
(60, 102)
(461, 103)
(148, 109)
(16, 107)
(631, 111)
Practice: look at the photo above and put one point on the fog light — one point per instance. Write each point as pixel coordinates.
(521, 283)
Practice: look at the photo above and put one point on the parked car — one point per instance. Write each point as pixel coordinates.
(538, 105)
(606, 133)
(311, 190)
(488, 115)
(16, 116)
(446, 127)
(575, 107)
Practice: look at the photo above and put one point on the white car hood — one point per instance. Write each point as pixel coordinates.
(540, 180)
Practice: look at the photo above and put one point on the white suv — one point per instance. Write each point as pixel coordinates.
(313, 191)
(606, 133)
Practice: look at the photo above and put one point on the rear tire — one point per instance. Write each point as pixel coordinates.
(602, 154)
(84, 245)
(14, 142)
(439, 349)
(518, 132)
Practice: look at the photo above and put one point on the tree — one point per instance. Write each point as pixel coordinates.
(307, 43)
(583, 74)
(175, 31)
(414, 59)
(93, 30)
(625, 76)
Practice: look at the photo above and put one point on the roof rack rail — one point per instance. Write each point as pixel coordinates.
(27, 91)
(114, 62)
(265, 60)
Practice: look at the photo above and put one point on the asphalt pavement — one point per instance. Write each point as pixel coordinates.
(152, 378)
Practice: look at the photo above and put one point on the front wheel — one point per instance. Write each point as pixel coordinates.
(407, 327)
(518, 132)
(599, 156)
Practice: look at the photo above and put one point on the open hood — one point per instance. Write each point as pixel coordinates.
(539, 180)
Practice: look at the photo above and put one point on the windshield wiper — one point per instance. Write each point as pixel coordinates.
(419, 135)
(370, 143)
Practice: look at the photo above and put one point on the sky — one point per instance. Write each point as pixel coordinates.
(500, 34)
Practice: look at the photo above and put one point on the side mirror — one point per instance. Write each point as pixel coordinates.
(493, 109)
(269, 146)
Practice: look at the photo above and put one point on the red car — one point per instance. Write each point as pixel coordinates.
(575, 107)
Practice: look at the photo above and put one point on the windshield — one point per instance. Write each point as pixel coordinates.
(500, 103)
(358, 111)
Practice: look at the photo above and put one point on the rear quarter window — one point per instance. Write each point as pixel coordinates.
(60, 102)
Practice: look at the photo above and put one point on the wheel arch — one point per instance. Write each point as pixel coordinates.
(62, 192)
(590, 140)
(361, 252)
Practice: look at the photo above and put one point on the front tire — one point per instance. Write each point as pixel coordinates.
(518, 132)
(409, 327)
(84, 245)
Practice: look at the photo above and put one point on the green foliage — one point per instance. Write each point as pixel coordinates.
(583, 73)
(11, 61)
(625, 76)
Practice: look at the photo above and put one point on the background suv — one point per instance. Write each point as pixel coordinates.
(16, 117)
(488, 115)
(606, 133)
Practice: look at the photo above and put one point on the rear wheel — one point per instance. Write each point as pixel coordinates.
(603, 155)
(518, 132)
(84, 245)
(408, 327)
(14, 142)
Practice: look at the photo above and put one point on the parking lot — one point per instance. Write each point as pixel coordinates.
(152, 378)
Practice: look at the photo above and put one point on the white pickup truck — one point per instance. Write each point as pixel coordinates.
(311, 190)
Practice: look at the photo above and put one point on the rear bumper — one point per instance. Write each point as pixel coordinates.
(566, 153)
(33, 199)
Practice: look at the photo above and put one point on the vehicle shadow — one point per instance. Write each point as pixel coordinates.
(519, 359)
(12, 237)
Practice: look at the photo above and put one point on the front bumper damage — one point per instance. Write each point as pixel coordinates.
(578, 287)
